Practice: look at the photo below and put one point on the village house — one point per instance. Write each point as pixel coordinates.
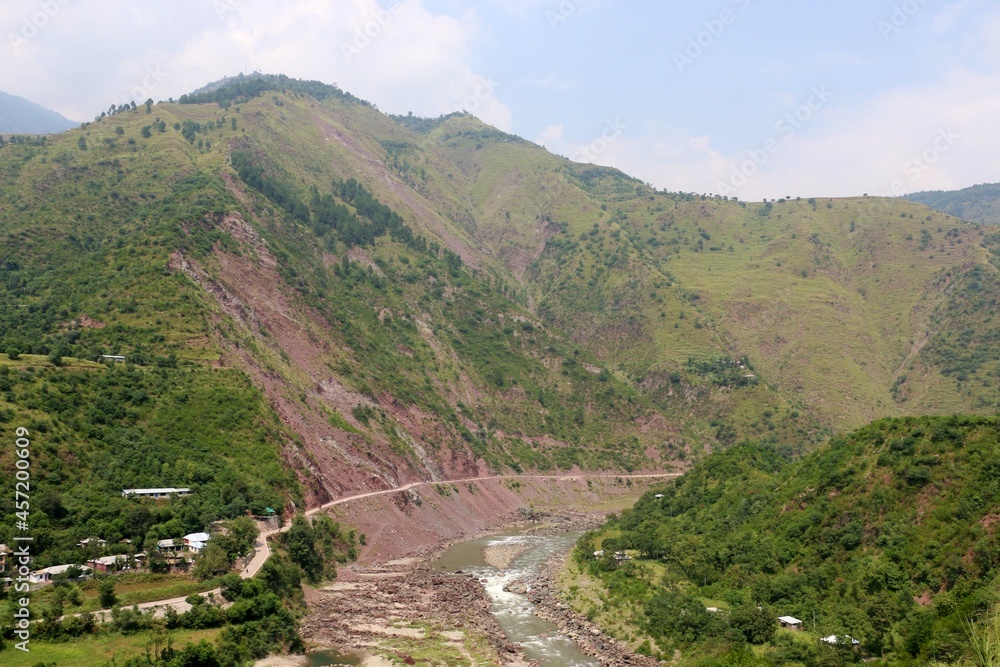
(156, 494)
(179, 553)
(175, 554)
(4, 551)
(92, 542)
(195, 542)
(46, 574)
(790, 622)
(106, 564)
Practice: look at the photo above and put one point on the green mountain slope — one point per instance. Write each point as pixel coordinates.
(276, 317)
(980, 203)
(20, 116)
(887, 535)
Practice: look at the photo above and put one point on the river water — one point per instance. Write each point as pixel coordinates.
(540, 639)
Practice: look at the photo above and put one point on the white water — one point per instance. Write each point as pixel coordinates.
(540, 639)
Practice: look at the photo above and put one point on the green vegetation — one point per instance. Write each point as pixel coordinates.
(980, 203)
(886, 535)
(242, 88)
(317, 546)
(98, 430)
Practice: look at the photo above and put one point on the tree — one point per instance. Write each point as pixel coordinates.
(119, 130)
(82, 143)
(146, 131)
(212, 561)
(243, 530)
(757, 624)
(201, 654)
(106, 593)
(301, 542)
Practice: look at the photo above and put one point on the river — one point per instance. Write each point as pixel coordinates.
(539, 639)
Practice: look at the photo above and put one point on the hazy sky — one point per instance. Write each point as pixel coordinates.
(751, 98)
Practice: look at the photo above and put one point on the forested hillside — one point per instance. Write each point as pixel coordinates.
(887, 535)
(980, 203)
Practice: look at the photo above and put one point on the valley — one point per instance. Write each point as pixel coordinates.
(388, 333)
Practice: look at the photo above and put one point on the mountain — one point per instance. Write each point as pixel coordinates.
(887, 535)
(980, 203)
(20, 116)
(314, 297)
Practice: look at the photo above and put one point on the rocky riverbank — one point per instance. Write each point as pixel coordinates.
(409, 612)
(501, 556)
(543, 591)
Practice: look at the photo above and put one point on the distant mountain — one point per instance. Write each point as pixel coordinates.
(21, 116)
(980, 203)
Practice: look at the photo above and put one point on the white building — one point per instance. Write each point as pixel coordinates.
(790, 622)
(45, 575)
(843, 639)
(156, 494)
(195, 542)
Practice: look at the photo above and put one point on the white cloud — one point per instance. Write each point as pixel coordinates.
(399, 55)
(936, 133)
(551, 136)
(922, 137)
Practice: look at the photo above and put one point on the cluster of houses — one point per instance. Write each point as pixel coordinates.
(178, 554)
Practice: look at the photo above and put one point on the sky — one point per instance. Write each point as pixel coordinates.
(745, 98)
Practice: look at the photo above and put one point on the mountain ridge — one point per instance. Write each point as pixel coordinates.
(978, 203)
(22, 116)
